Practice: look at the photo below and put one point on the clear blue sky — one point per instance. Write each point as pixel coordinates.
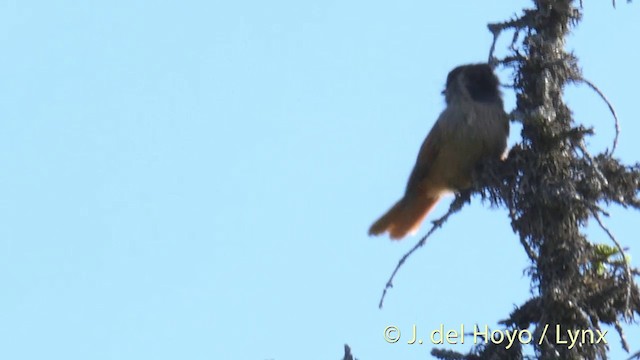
(195, 179)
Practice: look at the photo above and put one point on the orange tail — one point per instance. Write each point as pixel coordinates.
(404, 217)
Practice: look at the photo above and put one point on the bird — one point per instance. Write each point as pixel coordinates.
(472, 128)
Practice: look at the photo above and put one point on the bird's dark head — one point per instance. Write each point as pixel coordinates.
(476, 82)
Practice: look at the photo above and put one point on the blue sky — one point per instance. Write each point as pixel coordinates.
(195, 179)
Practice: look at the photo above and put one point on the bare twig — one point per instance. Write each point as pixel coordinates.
(496, 34)
(455, 206)
(623, 340)
(517, 24)
(611, 108)
(347, 353)
(595, 166)
(516, 34)
(634, 356)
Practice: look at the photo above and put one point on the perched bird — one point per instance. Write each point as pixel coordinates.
(473, 127)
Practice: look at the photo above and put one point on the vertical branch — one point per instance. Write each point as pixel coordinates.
(548, 215)
(551, 188)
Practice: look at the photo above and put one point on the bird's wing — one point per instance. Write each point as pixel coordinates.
(427, 155)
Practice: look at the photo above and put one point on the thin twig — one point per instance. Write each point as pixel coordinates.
(517, 24)
(623, 340)
(514, 40)
(595, 166)
(455, 206)
(496, 34)
(635, 356)
(613, 111)
(347, 353)
(624, 260)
